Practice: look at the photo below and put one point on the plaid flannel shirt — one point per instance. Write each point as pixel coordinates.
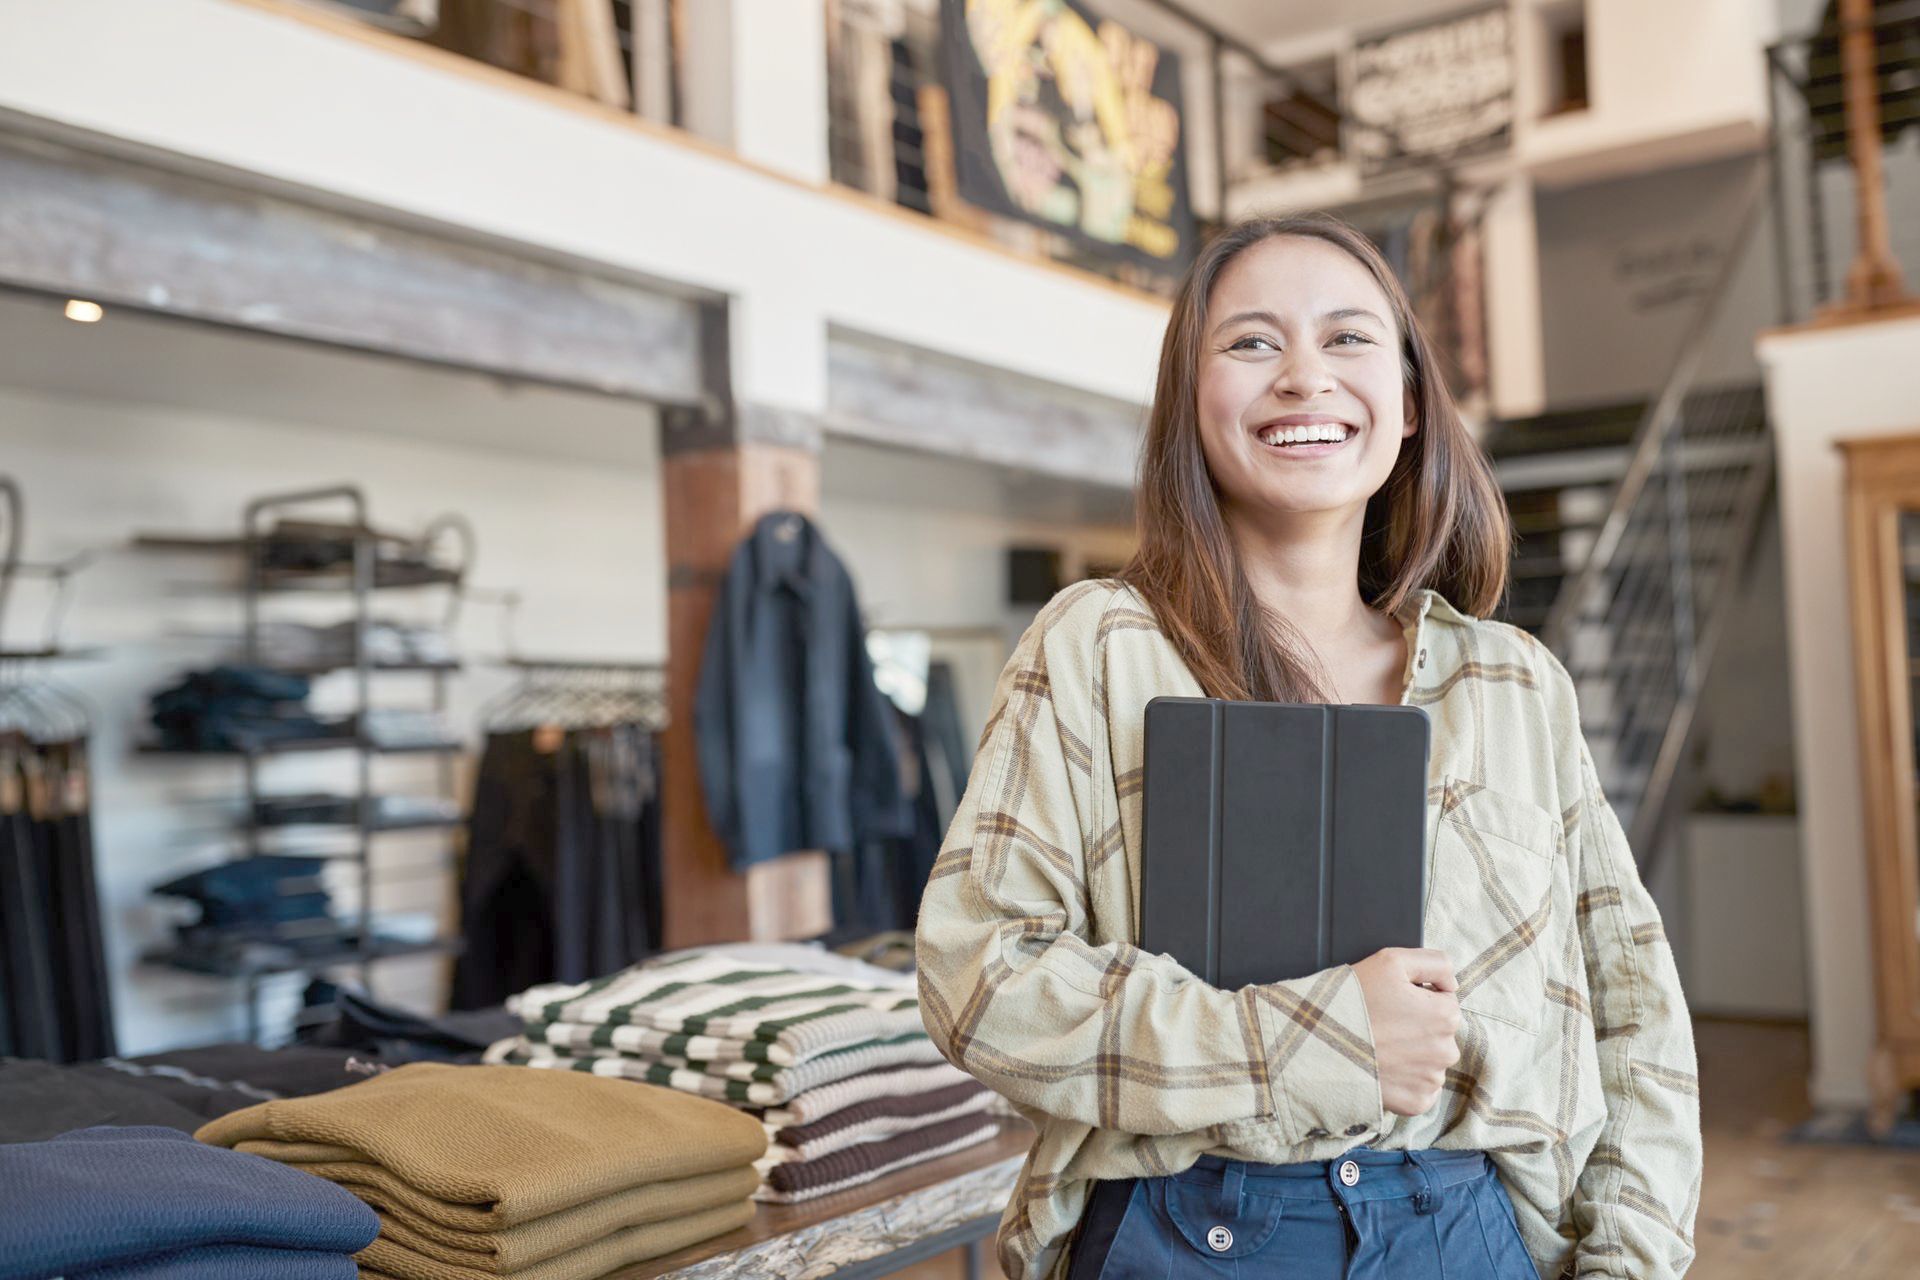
(1577, 1068)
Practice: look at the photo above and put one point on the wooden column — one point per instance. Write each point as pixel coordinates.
(725, 466)
(1874, 278)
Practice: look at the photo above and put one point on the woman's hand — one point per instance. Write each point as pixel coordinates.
(1410, 1002)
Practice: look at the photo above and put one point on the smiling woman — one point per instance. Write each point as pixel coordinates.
(1516, 1098)
(1286, 323)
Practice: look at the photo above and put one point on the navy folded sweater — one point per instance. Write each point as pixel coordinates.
(232, 1262)
(102, 1197)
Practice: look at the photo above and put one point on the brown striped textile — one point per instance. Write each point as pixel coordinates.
(874, 1123)
(794, 1181)
(1575, 1039)
(896, 1108)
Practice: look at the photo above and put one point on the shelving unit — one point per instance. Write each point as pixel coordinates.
(362, 573)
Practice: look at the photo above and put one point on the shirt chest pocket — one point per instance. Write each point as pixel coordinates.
(1490, 899)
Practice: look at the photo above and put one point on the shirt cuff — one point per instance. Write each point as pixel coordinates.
(1322, 1072)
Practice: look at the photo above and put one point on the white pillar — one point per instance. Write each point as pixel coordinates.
(1516, 359)
(754, 79)
(1824, 385)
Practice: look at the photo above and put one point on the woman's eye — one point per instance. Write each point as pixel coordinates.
(1246, 343)
(1357, 336)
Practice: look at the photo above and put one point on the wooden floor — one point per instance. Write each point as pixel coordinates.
(1770, 1210)
(1774, 1210)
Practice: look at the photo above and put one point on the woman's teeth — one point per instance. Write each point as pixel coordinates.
(1317, 433)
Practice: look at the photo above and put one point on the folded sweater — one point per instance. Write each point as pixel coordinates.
(602, 1257)
(510, 1145)
(793, 1182)
(703, 994)
(459, 1235)
(825, 1100)
(882, 1118)
(232, 1262)
(762, 1085)
(845, 1032)
(102, 1197)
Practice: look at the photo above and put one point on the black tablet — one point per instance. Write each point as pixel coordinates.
(1282, 838)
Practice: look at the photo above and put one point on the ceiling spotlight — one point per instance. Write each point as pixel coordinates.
(83, 311)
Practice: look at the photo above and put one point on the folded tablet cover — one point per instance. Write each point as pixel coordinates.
(1282, 838)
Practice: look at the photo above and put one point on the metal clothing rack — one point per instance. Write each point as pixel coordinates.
(575, 693)
(365, 573)
(13, 567)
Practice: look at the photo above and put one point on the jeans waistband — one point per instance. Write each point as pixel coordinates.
(1376, 1175)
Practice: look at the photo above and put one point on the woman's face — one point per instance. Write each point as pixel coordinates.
(1300, 344)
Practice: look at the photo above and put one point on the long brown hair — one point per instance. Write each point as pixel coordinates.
(1439, 521)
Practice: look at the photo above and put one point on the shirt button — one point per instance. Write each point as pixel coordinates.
(1219, 1239)
(1318, 1133)
(1349, 1172)
(1423, 659)
(1355, 1130)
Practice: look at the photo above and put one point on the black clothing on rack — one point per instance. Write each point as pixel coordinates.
(879, 888)
(54, 986)
(562, 880)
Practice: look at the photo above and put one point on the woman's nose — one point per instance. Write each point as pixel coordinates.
(1302, 374)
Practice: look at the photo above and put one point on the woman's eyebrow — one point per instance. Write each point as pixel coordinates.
(1267, 317)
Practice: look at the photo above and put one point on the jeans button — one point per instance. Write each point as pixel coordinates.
(1219, 1239)
(1349, 1172)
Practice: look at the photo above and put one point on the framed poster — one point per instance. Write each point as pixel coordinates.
(1070, 121)
(1431, 92)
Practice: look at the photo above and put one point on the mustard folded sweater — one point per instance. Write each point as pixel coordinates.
(506, 1145)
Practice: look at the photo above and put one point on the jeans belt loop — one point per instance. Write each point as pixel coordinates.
(1233, 1181)
(1426, 1200)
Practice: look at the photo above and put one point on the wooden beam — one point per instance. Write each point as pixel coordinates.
(888, 393)
(129, 233)
(1874, 278)
(725, 465)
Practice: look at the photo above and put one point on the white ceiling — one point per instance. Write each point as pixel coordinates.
(140, 359)
(1263, 23)
(136, 358)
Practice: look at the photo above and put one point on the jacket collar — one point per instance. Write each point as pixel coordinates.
(784, 545)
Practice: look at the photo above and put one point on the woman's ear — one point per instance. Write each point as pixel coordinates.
(1413, 414)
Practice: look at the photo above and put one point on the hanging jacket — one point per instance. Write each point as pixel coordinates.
(790, 730)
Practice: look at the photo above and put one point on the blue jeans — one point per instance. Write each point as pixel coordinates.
(1369, 1215)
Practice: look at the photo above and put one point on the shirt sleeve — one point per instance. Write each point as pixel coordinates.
(1635, 1201)
(1015, 990)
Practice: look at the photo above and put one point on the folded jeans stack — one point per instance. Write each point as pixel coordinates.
(849, 1086)
(146, 1203)
(236, 708)
(490, 1173)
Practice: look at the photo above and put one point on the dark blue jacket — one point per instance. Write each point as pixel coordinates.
(791, 732)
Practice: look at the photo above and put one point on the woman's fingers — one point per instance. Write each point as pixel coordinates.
(1428, 967)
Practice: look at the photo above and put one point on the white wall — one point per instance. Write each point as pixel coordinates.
(143, 425)
(582, 541)
(243, 85)
(1824, 385)
(1631, 261)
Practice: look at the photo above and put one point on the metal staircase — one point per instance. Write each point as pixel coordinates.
(1631, 557)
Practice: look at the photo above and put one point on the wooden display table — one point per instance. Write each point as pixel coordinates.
(874, 1230)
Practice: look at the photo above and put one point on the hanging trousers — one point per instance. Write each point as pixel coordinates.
(1369, 1215)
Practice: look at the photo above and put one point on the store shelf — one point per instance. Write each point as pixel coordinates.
(47, 655)
(306, 746)
(351, 559)
(421, 823)
(387, 575)
(265, 965)
(315, 669)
